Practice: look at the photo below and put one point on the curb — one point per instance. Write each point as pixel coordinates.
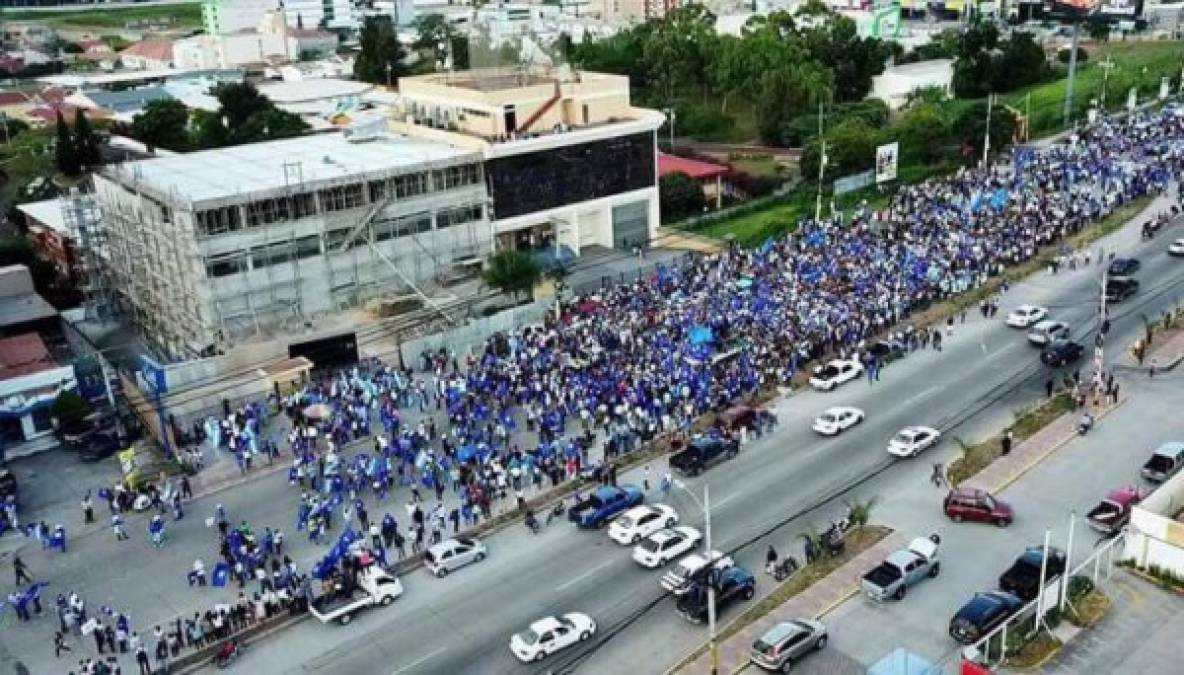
(1053, 448)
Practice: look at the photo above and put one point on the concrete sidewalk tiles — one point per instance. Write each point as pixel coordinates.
(1168, 354)
(815, 601)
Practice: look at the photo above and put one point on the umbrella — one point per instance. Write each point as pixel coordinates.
(317, 411)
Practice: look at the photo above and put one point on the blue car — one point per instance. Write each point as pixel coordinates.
(732, 585)
(603, 504)
(982, 614)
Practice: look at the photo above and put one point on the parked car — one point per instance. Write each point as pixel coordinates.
(1120, 288)
(834, 373)
(1114, 511)
(1123, 267)
(1025, 316)
(977, 506)
(1047, 331)
(1061, 353)
(99, 445)
(903, 568)
(641, 521)
(374, 587)
(604, 504)
(982, 614)
(731, 585)
(551, 634)
(1165, 462)
(665, 545)
(692, 568)
(886, 351)
(1176, 248)
(452, 554)
(702, 452)
(1023, 577)
(912, 441)
(786, 642)
(72, 435)
(836, 420)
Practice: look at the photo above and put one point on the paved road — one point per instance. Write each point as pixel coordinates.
(462, 624)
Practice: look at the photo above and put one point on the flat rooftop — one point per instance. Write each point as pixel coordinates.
(48, 213)
(258, 167)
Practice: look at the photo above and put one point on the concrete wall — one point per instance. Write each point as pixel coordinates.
(471, 337)
(1155, 537)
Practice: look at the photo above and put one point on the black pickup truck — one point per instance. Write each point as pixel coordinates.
(1023, 577)
(701, 452)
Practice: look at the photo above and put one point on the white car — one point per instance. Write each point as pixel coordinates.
(1176, 248)
(551, 634)
(1046, 331)
(911, 441)
(1026, 315)
(453, 553)
(678, 579)
(837, 419)
(640, 522)
(665, 545)
(834, 373)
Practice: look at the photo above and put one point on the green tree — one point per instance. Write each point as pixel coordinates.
(380, 59)
(86, 144)
(69, 408)
(163, 123)
(271, 123)
(680, 196)
(853, 60)
(512, 272)
(435, 36)
(237, 101)
(678, 51)
(1098, 30)
(12, 127)
(971, 125)
(850, 148)
(922, 132)
(65, 154)
(208, 130)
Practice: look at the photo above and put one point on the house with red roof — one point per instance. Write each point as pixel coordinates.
(709, 176)
(148, 55)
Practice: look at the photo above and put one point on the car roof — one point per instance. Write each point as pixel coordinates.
(1169, 449)
(606, 491)
(544, 624)
(1026, 308)
(967, 492)
(1047, 324)
(638, 511)
(736, 571)
(782, 630)
(664, 534)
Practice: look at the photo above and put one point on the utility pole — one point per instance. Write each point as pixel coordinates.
(1072, 72)
(987, 135)
(1103, 322)
(821, 164)
(1106, 66)
(711, 645)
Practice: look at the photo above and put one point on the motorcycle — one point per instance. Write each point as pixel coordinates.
(230, 650)
(786, 568)
(532, 523)
(558, 511)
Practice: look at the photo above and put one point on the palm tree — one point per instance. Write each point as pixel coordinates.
(860, 512)
(512, 272)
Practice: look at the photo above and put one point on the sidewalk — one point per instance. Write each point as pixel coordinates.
(815, 601)
(1167, 355)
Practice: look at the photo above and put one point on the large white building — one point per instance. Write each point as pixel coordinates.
(264, 241)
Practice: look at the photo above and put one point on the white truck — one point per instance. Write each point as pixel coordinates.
(374, 587)
(908, 566)
(678, 580)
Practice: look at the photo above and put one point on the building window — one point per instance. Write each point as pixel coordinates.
(225, 266)
(465, 214)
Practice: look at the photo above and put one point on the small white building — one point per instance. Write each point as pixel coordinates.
(897, 82)
(30, 382)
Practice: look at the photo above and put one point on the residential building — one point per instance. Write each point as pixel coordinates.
(22, 309)
(118, 104)
(637, 10)
(232, 16)
(30, 381)
(570, 162)
(324, 13)
(148, 55)
(45, 223)
(709, 176)
(1155, 536)
(273, 242)
(897, 83)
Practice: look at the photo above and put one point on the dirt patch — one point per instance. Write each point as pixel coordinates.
(1033, 654)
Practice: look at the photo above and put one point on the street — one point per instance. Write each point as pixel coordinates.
(971, 389)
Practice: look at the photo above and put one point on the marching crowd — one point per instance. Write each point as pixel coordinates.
(626, 364)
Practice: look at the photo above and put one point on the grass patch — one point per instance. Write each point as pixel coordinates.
(857, 542)
(29, 156)
(172, 15)
(761, 167)
(979, 456)
(1034, 652)
(750, 229)
(1136, 64)
(1089, 610)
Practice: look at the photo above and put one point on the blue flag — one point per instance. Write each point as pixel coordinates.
(221, 575)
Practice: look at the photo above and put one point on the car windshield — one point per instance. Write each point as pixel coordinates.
(567, 622)
(828, 372)
(625, 521)
(904, 437)
(828, 417)
(1159, 463)
(649, 545)
(528, 637)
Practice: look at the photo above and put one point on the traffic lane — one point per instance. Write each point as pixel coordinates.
(974, 556)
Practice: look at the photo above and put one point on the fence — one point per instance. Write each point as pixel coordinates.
(590, 285)
(471, 336)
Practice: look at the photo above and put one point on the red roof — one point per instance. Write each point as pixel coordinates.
(12, 98)
(23, 355)
(156, 50)
(668, 164)
(49, 113)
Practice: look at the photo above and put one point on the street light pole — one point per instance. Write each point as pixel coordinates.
(711, 646)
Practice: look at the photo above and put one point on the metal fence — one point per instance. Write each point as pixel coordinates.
(590, 285)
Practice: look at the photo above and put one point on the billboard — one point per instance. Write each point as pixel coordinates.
(886, 161)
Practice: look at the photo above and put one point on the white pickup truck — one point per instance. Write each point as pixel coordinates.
(375, 587)
(908, 566)
(678, 580)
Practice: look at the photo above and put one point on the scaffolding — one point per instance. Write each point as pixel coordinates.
(83, 221)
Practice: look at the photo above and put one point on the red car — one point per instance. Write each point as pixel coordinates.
(977, 506)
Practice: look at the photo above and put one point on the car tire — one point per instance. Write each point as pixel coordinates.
(935, 570)
(386, 601)
(1002, 522)
(585, 635)
(821, 643)
(479, 557)
(441, 572)
(636, 538)
(344, 619)
(748, 593)
(787, 665)
(901, 592)
(539, 656)
(957, 518)
(670, 522)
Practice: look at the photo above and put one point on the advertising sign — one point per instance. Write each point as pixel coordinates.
(887, 157)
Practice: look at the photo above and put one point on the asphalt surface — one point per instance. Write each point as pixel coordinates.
(776, 488)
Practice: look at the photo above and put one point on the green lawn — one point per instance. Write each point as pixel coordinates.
(759, 167)
(753, 228)
(1137, 64)
(27, 157)
(175, 15)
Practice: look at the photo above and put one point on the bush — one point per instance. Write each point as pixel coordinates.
(1079, 587)
(701, 121)
(69, 408)
(1064, 54)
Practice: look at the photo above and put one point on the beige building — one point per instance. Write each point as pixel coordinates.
(636, 10)
(571, 162)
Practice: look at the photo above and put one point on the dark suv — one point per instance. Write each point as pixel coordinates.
(1121, 288)
(702, 452)
(1061, 353)
(1123, 267)
(982, 614)
(731, 585)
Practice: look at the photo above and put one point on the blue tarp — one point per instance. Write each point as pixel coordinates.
(903, 662)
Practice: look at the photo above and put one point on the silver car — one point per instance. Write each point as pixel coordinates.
(453, 553)
(783, 644)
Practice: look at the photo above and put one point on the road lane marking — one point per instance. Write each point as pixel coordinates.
(418, 661)
(585, 575)
(725, 500)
